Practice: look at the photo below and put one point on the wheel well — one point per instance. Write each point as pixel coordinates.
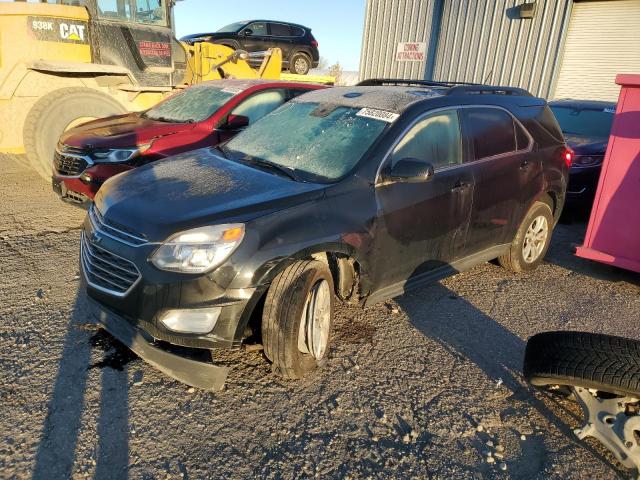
(301, 52)
(346, 280)
(550, 199)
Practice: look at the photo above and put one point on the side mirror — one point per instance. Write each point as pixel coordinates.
(409, 170)
(247, 32)
(236, 122)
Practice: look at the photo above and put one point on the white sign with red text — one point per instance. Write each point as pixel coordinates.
(411, 52)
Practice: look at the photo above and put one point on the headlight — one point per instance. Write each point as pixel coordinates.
(199, 250)
(116, 155)
(587, 160)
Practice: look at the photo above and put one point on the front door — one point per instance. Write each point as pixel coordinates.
(506, 174)
(254, 37)
(422, 226)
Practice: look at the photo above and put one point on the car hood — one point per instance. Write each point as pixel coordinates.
(583, 145)
(120, 131)
(194, 189)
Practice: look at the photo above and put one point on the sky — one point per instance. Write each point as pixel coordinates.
(336, 24)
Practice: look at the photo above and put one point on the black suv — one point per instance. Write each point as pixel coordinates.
(351, 193)
(299, 48)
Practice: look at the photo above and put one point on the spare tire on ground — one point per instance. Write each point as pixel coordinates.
(589, 360)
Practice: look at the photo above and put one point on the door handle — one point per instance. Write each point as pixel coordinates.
(460, 186)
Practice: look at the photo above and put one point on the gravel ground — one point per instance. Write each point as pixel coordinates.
(425, 386)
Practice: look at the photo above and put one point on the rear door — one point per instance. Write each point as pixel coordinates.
(422, 226)
(282, 38)
(505, 172)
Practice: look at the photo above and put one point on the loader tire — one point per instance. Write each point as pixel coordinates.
(56, 112)
(603, 362)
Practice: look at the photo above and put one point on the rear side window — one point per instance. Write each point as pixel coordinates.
(435, 139)
(280, 30)
(492, 131)
(548, 121)
(297, 32)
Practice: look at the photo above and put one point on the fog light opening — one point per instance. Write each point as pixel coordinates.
(200, 320)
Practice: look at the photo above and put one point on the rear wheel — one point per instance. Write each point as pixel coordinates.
(57, 112)
(532, 240)
(300, 64)
(298, 317)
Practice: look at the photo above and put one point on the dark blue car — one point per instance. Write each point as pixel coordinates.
(586, 125)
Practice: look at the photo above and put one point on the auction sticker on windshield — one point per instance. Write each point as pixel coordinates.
(383, 115)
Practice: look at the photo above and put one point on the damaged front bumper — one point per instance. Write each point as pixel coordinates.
(197, 373)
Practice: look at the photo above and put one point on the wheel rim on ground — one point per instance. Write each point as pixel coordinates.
(535, 239)
(300, 65)
(315, 324)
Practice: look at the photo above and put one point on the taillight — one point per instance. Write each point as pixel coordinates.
(314, 42)
(568, 156)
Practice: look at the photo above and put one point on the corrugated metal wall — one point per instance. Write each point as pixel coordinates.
(388, 22)
(484, 42)
(477, 41)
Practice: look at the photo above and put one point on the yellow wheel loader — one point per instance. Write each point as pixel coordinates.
(66, 62)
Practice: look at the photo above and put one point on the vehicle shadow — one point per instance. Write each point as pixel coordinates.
(64, 427)
(566, 237)
(467, 333)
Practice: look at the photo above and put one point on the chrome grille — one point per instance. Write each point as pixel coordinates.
(69, 165)
(117, 232)
(106, 271)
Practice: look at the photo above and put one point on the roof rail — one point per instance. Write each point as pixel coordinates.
(378, 82)
(488, 90)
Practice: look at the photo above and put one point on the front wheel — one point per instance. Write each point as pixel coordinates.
(532, 240)
(298, 318)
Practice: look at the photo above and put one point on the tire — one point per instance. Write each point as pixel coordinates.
(603, 362)
(300, 63)
(283, 313)
(516, 259)
(51, 115)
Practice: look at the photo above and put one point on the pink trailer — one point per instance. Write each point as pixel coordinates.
(613, 234)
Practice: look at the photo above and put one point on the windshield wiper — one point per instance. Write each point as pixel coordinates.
(286, 171)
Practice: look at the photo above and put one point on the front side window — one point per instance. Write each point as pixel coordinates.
(150, 12)
(194, 104)
(586, 122)
(258, 29)
(319, 142)
(115, 10)
(258, 105)
(491, 131)
(435, 139)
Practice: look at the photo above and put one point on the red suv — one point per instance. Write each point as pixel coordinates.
(200, 116)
